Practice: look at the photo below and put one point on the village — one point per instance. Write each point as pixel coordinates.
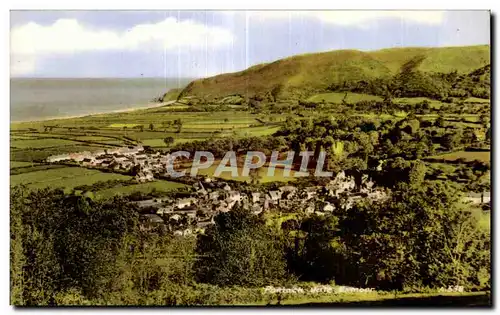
(210, 195)
(188, 215)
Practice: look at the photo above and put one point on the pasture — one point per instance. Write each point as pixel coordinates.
(339, 97)
(63, 177)
(262, 174)
(33, 141)
(160, 185)
(468, 156)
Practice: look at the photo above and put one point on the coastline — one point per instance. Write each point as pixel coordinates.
(124, 110)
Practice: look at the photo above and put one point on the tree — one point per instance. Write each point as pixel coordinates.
(420, 236)
(65, 242)
(151, 126)
(169, 141)
(320, 258)
(484, 119)
(451, 140)
(255, 176)
(417, 173)
(440, 122)
(275, 92)
(178, 123)
(240, 250)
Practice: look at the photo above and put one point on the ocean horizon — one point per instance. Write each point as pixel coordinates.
(33, 99)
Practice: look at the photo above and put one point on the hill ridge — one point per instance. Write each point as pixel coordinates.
(302, 75)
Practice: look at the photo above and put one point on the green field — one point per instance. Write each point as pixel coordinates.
(33, 141)
(124, 125)
(29, 155)
(467, 155)
(160, 185)
(102, 131)
(16, 164)
(476, 100)
(416, 100)
(262, 174)
(338, 97)
(41, 143)
(66, 177)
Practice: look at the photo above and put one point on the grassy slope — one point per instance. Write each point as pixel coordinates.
(476, 299)
(304, 75)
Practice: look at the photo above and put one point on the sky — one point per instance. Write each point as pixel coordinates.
(128, 44)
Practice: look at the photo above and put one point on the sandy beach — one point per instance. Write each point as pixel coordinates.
(125, 110)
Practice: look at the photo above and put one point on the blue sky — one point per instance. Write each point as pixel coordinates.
(205, 43)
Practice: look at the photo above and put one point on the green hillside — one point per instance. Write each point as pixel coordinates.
(304, 75)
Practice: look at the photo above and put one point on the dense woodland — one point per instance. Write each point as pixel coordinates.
(69, 249)
(410, 82)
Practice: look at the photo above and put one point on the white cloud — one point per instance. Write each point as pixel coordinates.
(32, 41)
(69, 36)
(354, 17)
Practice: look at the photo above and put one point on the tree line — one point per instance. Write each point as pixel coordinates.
(68, 249)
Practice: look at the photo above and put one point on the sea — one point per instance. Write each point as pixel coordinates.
(34, 99)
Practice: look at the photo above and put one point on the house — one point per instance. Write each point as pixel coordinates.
(478, 198)
(184, 232)
(112, 151)
(79, 157)
(144, 177)
(256, 209)
(131, 150)
(223, 207)
(147, 203)
(266, 204)
(204, 224)
(201, 188)
(328, 207)
(234, 196)
(255, 197)
(288, 191)
(151, 218)
(310, 209)
(165, 210)
(190, 211)
(377, 194)
(87, 162)
(175, 217)
(120, 158)
(186, 202)
(58, 158)
(310, 192)
(274, 195)
(213, 195)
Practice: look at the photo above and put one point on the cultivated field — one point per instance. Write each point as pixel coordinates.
(63, 177)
